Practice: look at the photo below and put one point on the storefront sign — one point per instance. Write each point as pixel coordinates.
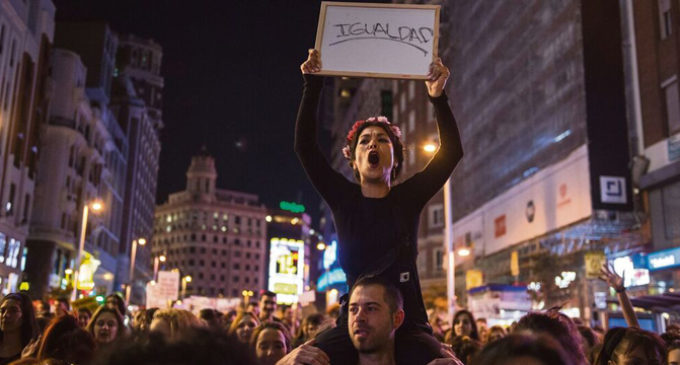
(593, 262)
(286, 269)
(335, 276)
(664, 259)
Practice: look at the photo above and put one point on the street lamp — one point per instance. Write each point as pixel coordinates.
(133, 256)
(448, 239)
(96, 206)
(185, 280)
(247, 294)
(156, 262)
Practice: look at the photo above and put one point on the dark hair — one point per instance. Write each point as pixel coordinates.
(207, 314)
(465, 348)
(120, 302)
(669, 337)
(239, 317)
(652, 344)
(474, 334)
(267, 293)
(275, 326)
(316, 319)
(104, 309)
(64, 301)
(558, 328)
(392, 295)
(542, 348)
(85, 310)
(29, 326)
(65, 340)
(196, 346)
(397, 146)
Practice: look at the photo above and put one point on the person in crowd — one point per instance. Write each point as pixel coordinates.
(61, 306)
(267, 306)
(18, 327)
(376, 220)
(673, 350)
(609, 276)
(270, 342)
(288, 315)
(172, 322)
(210, 317)
(632, 345)
(115, 301)
(106, 327)
(84, 315)
(66, 341)
(482, 327)
(254, 308)
(590, 340)
(43, 315)
(228, 318)
(243, 326)
(552, 325)
(309, 328)
(465, 348)
(141, 321)
(464, 324)
(439, 325)
(196, 346)
(523, 349)
(495, 333)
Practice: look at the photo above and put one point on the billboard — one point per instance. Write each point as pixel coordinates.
(286, 269)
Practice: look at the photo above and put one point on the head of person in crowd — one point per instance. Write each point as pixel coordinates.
(523, 349)
(254, 308)
(554, 326)
(172, 322)
(61, 306)
(333, 311)
(270, 342)
(210, 317)
(465, 348)
(267, 305)
(84, 315)
(42, 308)
(673, 351)
(17, 319)
(464, 324)
(632, 346)
(228, 318)
(117, 302)
(106, 326)
(66, 341)
(310, 326)
(142, 320)
(494, 333)
(590, 339)
(374, 149)
(243, 325)
(482, 327)
(375, 312)
(196, 346)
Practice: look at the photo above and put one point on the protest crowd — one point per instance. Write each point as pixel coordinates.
(38, 332)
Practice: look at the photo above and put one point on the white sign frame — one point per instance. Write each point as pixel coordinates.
(384, 59)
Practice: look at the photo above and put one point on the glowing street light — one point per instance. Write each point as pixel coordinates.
(464, 252)
(320, 246)
(96, 206)
(430, 147)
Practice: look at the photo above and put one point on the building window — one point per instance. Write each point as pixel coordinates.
(192, 249)
(237, 253)
(237, 266)
(438, 260)
(191, 262)
(665, 21)
(202, 249)
(672, 104)
(235, 279)
(436, 215)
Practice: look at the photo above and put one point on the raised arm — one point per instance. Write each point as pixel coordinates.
(427, 182)
(327, 181)
(615, 281)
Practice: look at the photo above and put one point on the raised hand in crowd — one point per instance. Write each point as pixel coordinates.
(305, 354)
(615, 281)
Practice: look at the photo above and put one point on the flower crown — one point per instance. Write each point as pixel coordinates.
(347, 150)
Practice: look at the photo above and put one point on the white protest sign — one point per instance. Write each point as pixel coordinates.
(165, 289)
(377, 40)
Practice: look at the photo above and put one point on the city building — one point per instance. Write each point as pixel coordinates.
(83, 161)
(216, 237)
(538, 92)
(652, 89)
(137, 103)
(26, 36)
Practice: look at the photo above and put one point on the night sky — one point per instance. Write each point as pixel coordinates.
(232, 83)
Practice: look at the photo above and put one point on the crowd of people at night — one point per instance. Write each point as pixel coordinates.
(266, 333)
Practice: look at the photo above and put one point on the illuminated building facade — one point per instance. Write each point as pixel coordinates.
(26, 36)
(217, 237)
(137, 103)
(83, 159)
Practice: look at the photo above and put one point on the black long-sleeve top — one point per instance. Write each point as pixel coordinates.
(368, 228)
